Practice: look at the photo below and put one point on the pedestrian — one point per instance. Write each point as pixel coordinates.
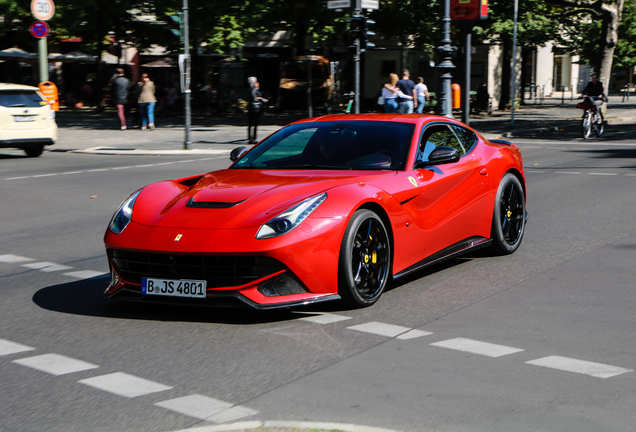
(147, 101)
(255, 105)
(422, 94)
(389, 92)
(408, 88)
(120, 91)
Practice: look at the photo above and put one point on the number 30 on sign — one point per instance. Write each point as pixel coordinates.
(43, 10)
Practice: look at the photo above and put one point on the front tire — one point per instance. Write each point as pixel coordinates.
(365, 260)
(586, 125)
(509, 216)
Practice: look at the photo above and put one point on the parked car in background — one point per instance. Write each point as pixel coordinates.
(27, 121)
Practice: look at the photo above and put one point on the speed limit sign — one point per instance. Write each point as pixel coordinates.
(42, 10)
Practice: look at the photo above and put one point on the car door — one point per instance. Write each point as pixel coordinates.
(453, 198)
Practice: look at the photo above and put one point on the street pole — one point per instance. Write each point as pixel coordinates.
(44, 59)
(466, 93)
(356, 60)
(187, 91)
(445, 107)
(514, 63)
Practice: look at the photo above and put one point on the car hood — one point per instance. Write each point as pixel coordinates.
(236, 198)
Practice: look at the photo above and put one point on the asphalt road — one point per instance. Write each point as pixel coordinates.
(542, 340)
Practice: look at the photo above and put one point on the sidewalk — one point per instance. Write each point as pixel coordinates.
(87, 131)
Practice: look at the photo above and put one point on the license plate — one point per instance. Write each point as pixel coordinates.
(24, 118)
(173, 287)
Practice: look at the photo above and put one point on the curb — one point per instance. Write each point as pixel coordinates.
(141, 152)
(292, 425)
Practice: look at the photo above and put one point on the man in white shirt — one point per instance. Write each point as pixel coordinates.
(422, 95)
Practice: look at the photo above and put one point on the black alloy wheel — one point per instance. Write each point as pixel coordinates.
(365, 259)
(509, 216)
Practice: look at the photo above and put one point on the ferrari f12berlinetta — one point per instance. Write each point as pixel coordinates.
(325, 208)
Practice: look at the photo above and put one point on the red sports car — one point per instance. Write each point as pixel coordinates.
(325, 208)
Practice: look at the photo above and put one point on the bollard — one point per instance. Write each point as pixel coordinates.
(456, 96)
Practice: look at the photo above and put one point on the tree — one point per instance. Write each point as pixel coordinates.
(609, 14)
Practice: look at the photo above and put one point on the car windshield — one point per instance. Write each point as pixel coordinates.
(373, 145)
(21, 98)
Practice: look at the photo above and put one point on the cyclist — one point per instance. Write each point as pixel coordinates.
(594, 89)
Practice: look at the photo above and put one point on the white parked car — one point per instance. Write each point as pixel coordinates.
(27, 121)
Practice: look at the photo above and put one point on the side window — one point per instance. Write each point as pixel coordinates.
(467, 137)
(436, 136)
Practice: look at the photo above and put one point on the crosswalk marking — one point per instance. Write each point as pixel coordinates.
(477, 347)
(597, 370)
(206, 408)
(123, 384)
(325, 318)
(8, 347)
(14, 259)
(412, 334)
(46, 266)
(86, 274)
(55, 364)
(374, 327)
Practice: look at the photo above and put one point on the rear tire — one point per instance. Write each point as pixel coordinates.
(365, 260)
(599, 123)
(509, 216)
(34, 151)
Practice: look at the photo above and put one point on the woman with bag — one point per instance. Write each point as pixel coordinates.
(147, 101)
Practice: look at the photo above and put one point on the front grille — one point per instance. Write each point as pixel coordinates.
(217, 270)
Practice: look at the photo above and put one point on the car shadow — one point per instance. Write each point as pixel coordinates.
(86, 298)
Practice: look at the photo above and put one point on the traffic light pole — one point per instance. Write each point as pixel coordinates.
(356, 60)
(186, 91)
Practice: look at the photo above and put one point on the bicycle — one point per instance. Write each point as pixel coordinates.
(592, 119)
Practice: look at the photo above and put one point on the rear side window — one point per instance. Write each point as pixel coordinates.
(21, 98)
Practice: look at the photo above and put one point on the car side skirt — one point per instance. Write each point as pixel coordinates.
(464, 246)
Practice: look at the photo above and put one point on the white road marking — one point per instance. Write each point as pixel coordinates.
(374, 327)
(231, 414)
(603, 174)
(597, 370)
(477, 347)
(206, 408)
(46, 266)
(8, 347)
(325, 318)
(98, 170)
(72, 172)
(55, 364)
(44, 175)
(14, 259)
(123, 384)
(413, 334)
(567, 172)
(631, 175)
(86, 274)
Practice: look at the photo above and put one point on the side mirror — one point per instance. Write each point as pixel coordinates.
(441, 155)
(237, 153)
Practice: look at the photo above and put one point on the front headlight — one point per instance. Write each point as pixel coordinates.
(123, 215)
(290, 219)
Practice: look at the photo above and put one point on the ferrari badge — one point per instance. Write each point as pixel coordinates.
(413, 181)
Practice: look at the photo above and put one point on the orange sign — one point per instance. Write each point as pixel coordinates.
(49, 91)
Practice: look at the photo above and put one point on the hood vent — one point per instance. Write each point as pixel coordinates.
(211, 204)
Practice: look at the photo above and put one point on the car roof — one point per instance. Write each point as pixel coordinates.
(402, 118)
(12, 86)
